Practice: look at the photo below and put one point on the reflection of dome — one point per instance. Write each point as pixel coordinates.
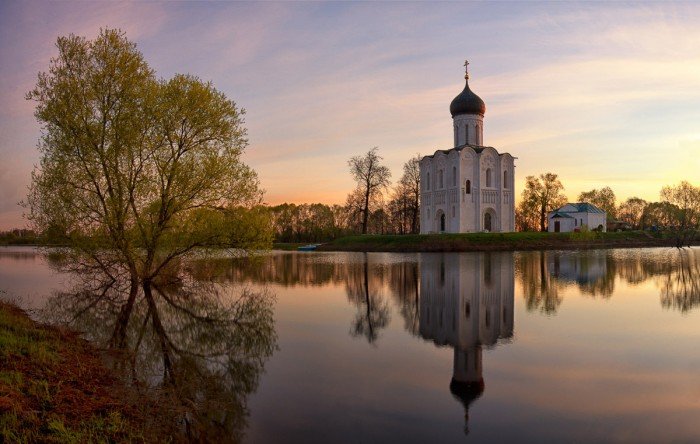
(467, 103)
(466, 393)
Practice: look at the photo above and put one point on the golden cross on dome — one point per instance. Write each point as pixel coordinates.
(466, 69)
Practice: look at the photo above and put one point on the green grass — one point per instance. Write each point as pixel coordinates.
(486, 241)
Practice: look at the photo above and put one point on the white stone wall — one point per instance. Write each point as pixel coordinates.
(444, 177)
(576, 220)
(468, 128)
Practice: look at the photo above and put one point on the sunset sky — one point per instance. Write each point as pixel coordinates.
(601, 94)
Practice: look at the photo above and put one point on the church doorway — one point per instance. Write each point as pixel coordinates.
(490, 223)
(557, 226)
(442, 222)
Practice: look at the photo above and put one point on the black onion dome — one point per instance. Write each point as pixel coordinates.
(467, 103)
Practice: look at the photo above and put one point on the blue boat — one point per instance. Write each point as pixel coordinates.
(310, 247)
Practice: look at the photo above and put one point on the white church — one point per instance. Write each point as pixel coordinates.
(471, 187)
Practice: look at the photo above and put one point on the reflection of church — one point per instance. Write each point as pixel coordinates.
(467, 302)
(583, 267)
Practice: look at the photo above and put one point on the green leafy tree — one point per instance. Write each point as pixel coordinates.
(137, 170)
(541, 195)
(603, 198)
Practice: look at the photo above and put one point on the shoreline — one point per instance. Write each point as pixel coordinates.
(55, 387)
(484, 242)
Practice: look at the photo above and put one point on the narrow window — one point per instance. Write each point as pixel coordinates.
(467, 310)
(453, 211)
(440, 182)
(468, 187)
(428, 182)
(488, 177)
(505, 179)
(466, 134)
(454, 176)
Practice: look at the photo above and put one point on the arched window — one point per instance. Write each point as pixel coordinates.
(466, 133)
(468, 187)
(440, 181)
(428, 182)
(505, 179)
(488, 177)
(454, 176)
(453, 211)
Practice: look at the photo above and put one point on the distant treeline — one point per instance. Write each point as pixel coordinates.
(320, 222)
(20, 236)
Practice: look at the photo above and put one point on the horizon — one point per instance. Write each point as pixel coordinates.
(602, 95)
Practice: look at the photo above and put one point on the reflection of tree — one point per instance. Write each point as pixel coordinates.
(201, 344)
(372, 310)
(404, 285)
(675, 272)
(680, 289)
(540, 290)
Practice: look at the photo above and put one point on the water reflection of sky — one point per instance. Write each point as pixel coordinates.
(579, 346)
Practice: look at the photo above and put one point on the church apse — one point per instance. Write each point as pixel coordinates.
(467, 303)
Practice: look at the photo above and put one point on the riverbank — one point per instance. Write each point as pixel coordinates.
(462, 242)
(54, 387)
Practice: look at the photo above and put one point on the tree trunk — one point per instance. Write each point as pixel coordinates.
(118, 339)
(365, 211)
(168, 370)
(542, 217)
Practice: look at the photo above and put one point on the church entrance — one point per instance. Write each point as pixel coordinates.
(557, 226)
(442, 222)
(487, 222)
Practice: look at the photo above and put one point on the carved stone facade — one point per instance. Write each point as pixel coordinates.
(471, 187)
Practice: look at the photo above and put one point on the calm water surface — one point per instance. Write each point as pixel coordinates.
(592, 346)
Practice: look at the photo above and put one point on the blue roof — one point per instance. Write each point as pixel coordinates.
(581, 207)
(562, 215)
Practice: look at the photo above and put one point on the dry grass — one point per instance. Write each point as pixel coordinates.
(54, 388)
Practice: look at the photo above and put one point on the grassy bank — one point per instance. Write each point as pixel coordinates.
(55, 388)
(495, 241)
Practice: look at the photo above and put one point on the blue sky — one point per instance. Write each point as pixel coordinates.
(602, 94)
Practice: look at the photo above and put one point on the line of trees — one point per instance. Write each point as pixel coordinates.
(678, 208)
(373, 206)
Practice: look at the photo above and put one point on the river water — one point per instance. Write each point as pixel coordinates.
(545, 346)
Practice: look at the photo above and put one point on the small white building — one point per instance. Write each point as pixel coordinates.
(573, 216)
(471, 187)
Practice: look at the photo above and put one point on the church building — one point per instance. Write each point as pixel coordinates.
(471, 187)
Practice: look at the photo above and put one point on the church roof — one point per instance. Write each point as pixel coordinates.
(561, 215)
(580, 207)
(477, 149)
(467, 102)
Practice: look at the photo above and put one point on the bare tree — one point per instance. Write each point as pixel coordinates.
(372, 180)
(631, 211)
(410, 186)
(686, 198)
